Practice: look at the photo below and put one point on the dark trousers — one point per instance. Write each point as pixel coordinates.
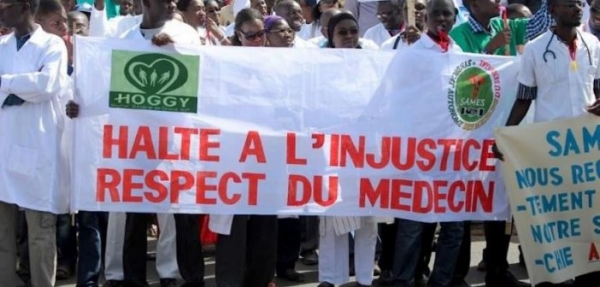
(426, 249)
(190, 259)
(247, 256)
(288, 244)
(92, 244)
(464, 258)
(309, 234)
(496, 250)
(66, 241)
(387, 234)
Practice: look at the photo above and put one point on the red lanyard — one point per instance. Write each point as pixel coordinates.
(573, 54)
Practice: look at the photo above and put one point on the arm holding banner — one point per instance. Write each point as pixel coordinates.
(526, 93)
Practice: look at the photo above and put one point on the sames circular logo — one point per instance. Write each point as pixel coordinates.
(155, 74)
(473, 94)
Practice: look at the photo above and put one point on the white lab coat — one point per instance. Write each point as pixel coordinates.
(30, 134)
(333, 248)
(561, 92)
(101, 26)
(309, 31)
(319, 41)
(300, 43)
(378, 34)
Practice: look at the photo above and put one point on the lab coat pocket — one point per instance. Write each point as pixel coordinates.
(22, 161)
(552, 73)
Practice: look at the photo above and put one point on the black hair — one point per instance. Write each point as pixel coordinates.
(336, 19)
(183, 5)
(206, 2)
(33, 6)
(245, 15)
(46, 7)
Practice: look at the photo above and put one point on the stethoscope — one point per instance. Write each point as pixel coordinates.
(548, 51)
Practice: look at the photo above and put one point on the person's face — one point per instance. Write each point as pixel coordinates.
(306, 11)
(486, 8)
(420, 10)
(126, 7)
(196, 13)
(137, 7)
(345, 34)
(252, 33)
(328, 4)
(12, 12)
(213, 11)
(293, 16)
(81, 24)
(595, 14)
(389, 15)
(260, 6)
(324, 21)
(441, 16)
(161, 9)
(567, 13)
(281, 35)
(69, 5)
(54, 23)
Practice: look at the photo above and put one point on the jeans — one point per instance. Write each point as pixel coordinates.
(92, 243)
(408, 247)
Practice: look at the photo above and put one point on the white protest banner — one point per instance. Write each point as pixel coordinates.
(286, 131)
(551, 171)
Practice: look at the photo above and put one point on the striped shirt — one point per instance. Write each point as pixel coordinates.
(537, 25)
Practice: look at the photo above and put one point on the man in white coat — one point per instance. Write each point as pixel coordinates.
(179, 232)
(32, 79)
(392, 22)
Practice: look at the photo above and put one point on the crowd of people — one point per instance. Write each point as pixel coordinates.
(252, 250)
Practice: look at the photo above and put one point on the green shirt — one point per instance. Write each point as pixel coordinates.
(471, 41)
(112, 9)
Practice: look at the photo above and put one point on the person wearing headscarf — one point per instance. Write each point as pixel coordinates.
(246, 244)
(343, 32)
(280, 34)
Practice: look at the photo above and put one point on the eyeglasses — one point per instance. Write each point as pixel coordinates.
(283, 31)
(595, 10)
(345, 33)
(251, 36)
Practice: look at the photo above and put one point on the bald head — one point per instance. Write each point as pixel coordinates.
(324, 20)
(78, 23)
(291, 12)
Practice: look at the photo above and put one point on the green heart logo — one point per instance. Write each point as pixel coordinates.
(155, 74)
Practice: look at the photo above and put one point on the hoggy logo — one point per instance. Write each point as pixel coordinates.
(474, 94)
(151, 81)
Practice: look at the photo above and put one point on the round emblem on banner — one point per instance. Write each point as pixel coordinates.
(474, 93)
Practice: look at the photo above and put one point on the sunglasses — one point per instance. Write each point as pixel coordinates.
(345, 33)
(251, 36)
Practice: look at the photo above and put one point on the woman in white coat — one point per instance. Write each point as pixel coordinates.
(247, 244)
(342, 32)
